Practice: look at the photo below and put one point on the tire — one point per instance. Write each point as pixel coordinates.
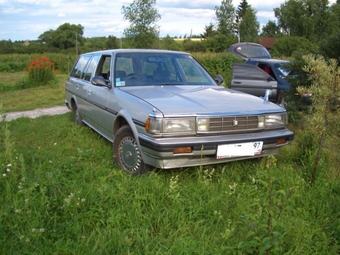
(281, 101)
(126, 153)
(77, 119)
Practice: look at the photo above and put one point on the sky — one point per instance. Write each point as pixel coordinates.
(27, 19)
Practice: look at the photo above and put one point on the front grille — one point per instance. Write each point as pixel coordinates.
(233, 124)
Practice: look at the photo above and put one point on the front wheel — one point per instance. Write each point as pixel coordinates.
(126, 153)
(281, 100)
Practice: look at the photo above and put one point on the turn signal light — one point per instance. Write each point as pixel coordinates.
(181, 150)
(281, 141)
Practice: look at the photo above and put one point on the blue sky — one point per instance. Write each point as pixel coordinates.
(27, 19)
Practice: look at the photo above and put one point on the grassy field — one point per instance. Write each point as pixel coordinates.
(61, 194)
(16, 98)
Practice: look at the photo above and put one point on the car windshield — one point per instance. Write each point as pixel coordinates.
(141, 69)
(252, 51)
(282, 70)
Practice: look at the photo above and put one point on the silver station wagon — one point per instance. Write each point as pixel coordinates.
(162, 109)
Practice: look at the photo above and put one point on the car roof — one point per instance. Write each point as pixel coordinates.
(110, 51)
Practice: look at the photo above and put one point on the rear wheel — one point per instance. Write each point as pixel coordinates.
(77, 119)
(126, 153)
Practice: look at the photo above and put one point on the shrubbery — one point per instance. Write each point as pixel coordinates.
(41, 72)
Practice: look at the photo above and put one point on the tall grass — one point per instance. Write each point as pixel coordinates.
(16, 97)
(61, 194)
(17, 62)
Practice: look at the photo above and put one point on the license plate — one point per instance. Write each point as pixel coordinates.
(239, 150)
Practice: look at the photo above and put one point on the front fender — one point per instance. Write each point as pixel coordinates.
(123, 114)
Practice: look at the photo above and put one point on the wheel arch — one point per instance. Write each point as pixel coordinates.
(124, 118)
(73, 103)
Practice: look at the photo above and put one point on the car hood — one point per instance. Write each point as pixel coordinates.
(201, 100)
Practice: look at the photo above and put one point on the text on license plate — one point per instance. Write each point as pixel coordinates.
(239, 150)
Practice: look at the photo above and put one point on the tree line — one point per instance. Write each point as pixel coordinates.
(311, 25)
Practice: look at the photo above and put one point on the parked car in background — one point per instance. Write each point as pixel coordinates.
(270, 73)
(162, 109)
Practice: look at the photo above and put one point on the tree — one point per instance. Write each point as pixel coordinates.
(225, 15)
(6, 47)
(143, 16)
(219, 42)
(169, 43)
(335, 15)
(113, 42)
(249, 27)
(330, 47)
(287, 45)
(311, 19)
(324, 118)
(271, 30)
(242, 8)
(66, 36)
(209, 31)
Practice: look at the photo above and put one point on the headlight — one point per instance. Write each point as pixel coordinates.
(272, 121)
(203, 124)
(170, 125)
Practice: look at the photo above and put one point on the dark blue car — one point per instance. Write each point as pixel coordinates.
(256, 55)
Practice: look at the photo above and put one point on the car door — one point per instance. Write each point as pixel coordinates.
(76, 86)
(253, 80)
(98, 115)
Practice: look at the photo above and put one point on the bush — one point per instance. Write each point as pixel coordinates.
(286, 46)
(40, 72)
(218, 64)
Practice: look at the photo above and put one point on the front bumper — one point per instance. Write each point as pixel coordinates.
(159, 152)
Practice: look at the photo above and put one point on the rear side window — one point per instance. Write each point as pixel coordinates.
(78, 69)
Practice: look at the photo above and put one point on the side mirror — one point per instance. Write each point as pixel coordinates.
(100, 81)
(218, 79)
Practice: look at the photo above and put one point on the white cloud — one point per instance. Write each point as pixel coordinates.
(27, 19)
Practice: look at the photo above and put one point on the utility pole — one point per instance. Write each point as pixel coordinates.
(238, 20)
(76, 44)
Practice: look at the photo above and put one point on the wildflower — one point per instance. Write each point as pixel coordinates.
(26, 201)
(41, 230)
(8, 170)
(17, 211)
(27, 240)
(21, 237)
(4, 175)
(9, 165)
(33, 230)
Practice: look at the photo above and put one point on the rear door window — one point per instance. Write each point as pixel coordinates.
(89, 73)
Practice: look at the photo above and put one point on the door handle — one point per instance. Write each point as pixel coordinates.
(237, 82)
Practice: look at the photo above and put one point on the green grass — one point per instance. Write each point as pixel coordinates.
(15, 98)
(61, 194)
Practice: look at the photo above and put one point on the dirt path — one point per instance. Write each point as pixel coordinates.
(37, 112)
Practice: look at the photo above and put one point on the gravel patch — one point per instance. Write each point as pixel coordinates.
(36, 113)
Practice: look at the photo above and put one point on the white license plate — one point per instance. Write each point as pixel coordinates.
(239, 150)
